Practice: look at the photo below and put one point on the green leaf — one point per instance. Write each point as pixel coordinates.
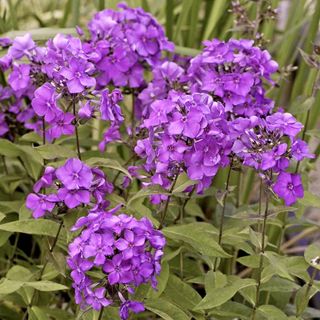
(217, 297)
(303, 295)
(310, 200)
(53, 151)
(278, 265)
(9, 149)
(250, 261)
(218, 9)
(255, 238)
(166, 310)
(46, 285)
(181, 293)
(37, 313)
(108, 163)
(41, 34)
(162, 282)
(9, 286)
(146, 192)
(302, 105)
(312, 255)
(19, 273)
(272, 313)
(199, 235)
(214, 280)
(182, 183)
(186, 51)
(32, 226)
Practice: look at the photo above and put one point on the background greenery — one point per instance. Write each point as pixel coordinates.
(187, 23)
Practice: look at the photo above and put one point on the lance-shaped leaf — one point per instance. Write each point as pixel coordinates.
(200, 236)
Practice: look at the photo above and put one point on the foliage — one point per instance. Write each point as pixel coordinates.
(233, 251)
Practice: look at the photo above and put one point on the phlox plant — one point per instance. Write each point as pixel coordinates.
(142, 182)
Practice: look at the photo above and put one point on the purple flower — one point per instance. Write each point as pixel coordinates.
(39, 204)
(188, 125)
(44, 102)
(111, 134)
(62, 125)
(74, 198)
(288, 187)
(21, 46)
(75, 174)
(118, 270)
(77, 75)
(99, 247)
(19, 78)
(127, 306)
(285, 122)
(110, 110)
(300, 150)
(97, 299)
(130, 244)
(46, 180)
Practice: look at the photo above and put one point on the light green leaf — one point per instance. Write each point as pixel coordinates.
(310, 200)
(166, 310)
(37, 313)
(199, 235)
(9, 149)
(181, 293)
(46, 285)
(312, 255)
(53, 151)
(32, 226)
(182, 183)
(108, 163)
(41, 34)
(9, 286)
(278, 265)
(146, 192)
(272, 313)
(217, 297)
(19, 273)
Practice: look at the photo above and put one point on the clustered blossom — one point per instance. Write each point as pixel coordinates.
(233, 72)
(185, 133)
(268, 144)
(128, 253)
(59, 81)
(125, 42)
(68, 187)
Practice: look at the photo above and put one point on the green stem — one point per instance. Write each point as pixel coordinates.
(257, 20)
(76, 128)
(263, 235)
(101, 314)
(164, 212)
(43, 268)
(223, 213)
(182, 211)
(5, 165)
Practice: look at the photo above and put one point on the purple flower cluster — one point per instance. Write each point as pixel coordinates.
(128, 253)
(213, 109)
(268, 144)
(233, 72)
(125, 42)
(69, 186)
(60, 82)
(186, 133)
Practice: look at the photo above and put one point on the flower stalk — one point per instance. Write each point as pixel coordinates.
(261, 260)
(223, 212)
